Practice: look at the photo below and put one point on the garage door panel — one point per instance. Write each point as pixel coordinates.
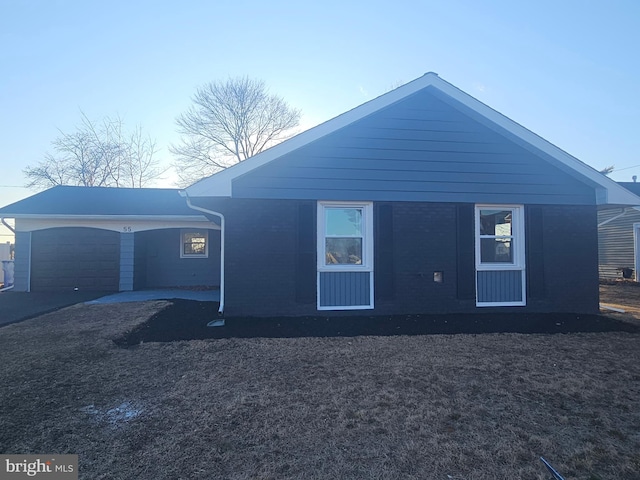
(68, 258)
(83, 249)
(109, 249)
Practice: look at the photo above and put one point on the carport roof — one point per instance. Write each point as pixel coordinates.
(97, 201)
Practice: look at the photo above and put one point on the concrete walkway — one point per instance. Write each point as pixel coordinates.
(145, 295)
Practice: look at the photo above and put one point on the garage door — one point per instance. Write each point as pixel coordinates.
(68, 258)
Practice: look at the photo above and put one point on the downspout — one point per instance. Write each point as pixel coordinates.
(624, 211)
(4, 222)
(221, 216)
(14, 232)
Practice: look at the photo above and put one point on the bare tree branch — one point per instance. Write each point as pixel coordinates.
(229, 122)
(98, 155)
(608, 170)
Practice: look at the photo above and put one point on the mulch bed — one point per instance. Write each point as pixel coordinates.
(187, 320)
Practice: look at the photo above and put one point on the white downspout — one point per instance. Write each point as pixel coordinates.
(624, 210)
(221, 216)
(14, 232)
(4, 222)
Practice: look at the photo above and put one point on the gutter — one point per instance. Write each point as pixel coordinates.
(4, 222)
(184, 194)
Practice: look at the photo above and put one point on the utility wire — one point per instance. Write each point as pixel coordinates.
(625, 168)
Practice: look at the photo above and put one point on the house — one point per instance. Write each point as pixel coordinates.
(423, 200)
(112, 239)
(618, 237)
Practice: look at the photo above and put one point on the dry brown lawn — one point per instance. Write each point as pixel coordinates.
(441, 406)
(625, 296)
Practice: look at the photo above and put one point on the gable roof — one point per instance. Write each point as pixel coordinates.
(607, 191)
(60, 201)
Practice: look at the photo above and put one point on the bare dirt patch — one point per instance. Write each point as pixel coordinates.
(425, 406)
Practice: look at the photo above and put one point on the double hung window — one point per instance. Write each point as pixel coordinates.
(500, 255)
(345, 255)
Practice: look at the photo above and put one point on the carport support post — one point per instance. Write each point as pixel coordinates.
(126, 261)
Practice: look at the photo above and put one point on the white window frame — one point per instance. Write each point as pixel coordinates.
(183, 232)
(517, 244)
(367, 250)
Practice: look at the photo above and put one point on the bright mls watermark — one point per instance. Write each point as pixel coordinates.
(50, 467)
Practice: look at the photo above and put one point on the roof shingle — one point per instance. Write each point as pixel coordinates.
(72, 200)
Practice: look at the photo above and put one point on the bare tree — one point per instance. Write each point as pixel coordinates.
(229, 122)
(97, 155)
(607, 170)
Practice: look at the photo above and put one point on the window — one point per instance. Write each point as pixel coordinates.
(496, 235)
(344, 237)
(500, 255)
(194, 244)
(345, 255)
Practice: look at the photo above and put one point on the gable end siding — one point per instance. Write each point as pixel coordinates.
(420, 149)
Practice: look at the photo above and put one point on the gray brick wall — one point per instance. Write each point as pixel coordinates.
(261, 260)
(570, 259)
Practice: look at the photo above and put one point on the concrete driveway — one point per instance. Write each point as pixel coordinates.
(166, 294)
(17, 306)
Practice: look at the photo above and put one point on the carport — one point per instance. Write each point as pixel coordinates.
(112, 239)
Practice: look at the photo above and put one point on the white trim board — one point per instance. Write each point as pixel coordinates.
(220, 184)
(121, 224)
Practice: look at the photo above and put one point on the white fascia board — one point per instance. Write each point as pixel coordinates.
(120, 224)
(220, 184)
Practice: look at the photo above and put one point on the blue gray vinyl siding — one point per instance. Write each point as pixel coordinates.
(158, 263)
(22, 259)
(126, 261)
(419, 149)
(499, 286)
(345, 289)
(615, 242)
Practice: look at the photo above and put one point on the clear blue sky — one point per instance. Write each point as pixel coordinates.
(567, 69)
